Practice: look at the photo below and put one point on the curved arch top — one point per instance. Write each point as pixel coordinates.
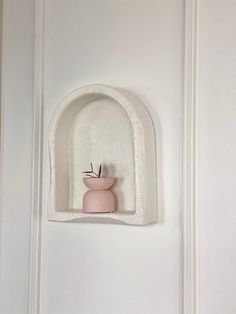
(132, 153)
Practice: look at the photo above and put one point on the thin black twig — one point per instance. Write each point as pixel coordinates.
(92, 173)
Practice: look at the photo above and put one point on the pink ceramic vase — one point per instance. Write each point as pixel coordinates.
(99, 199)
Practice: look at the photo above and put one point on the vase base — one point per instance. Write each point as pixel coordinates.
(99, 201)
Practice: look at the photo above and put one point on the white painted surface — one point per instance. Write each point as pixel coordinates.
(99, 268)
(216, 212)
(110, 268)
(113, 128)
(16, 129)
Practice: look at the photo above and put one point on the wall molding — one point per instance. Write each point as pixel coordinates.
(2, 58)
(2, 98)
(189, 278)
(189, 302)
(37, 161)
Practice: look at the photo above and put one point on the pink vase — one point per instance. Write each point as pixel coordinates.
(99, 199)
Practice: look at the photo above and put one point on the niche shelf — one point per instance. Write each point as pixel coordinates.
(108, 126)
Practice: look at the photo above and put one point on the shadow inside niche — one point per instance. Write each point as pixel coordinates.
(109, 171)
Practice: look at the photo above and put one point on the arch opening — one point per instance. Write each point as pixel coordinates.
(107, 126)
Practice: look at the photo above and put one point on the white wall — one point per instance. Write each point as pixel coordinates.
(16, 128)
(98, 268)
(216, 210)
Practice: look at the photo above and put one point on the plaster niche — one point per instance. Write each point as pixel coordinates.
(108, 126)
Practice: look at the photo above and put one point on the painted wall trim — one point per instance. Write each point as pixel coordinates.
(2, 98)
(189, 303)
(189, 276)
(37, 161)
(2, 58)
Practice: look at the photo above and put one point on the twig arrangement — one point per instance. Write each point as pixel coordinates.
(91, 173)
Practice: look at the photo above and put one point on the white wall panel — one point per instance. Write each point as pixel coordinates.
(102, 268)
(98, 268)
(216, 210)
(16, 128)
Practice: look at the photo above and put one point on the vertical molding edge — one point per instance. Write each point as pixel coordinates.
(189, 159)
(2, 57)
(37, 161)
(2, 82)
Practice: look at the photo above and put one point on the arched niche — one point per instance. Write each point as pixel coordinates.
(107, 125)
